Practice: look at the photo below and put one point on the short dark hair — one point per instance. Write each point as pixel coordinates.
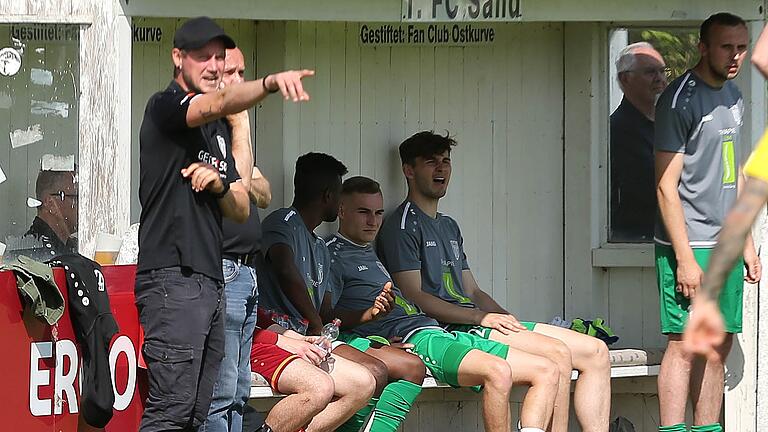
(360, 184)
(52, 182)
(723, 19)
(315, 174)
(425, 144)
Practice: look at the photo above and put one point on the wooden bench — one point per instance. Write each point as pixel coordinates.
(631, 366)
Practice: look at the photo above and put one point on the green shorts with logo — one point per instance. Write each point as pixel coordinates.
(483, 332)
(674, 306)
(442, 352)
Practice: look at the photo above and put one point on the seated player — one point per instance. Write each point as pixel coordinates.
(293, 281)
(363, 292)
(290, 365)
(424, 252)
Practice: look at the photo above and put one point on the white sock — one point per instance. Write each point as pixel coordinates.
(528, 429)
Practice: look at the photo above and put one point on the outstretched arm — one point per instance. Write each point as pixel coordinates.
(705, 330)
(239, 97)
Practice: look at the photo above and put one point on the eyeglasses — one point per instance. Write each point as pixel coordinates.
(652, 71)
(62, 195)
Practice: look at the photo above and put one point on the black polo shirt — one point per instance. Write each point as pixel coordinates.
(633, 184)
(245, 238)
(180, 227)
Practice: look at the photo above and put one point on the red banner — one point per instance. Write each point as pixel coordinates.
(41, 367)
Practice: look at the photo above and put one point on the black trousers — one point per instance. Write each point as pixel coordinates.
(182, 314)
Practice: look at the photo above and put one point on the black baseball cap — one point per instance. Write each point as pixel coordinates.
(197, 32)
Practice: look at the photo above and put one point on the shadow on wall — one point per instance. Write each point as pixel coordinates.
(734, 373)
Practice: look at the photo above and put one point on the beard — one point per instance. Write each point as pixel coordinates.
(193, 86)
(720, 73)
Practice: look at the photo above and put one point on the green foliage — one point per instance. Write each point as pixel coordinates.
(679, 47)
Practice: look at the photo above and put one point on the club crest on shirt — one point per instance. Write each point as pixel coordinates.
(455, 247)
(222, 145)
(736, 112)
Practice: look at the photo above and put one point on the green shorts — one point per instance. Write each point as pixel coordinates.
(361, 343)
(674, 306)
(442, 352)
(483, 332)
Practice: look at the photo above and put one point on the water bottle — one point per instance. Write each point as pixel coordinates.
(329, 334)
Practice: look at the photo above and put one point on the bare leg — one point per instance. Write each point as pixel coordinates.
(542, 375)
(556, 351)
(375, 366)
(707, 380)
(401, 365)
(673, 381)
(479, 368)
(354, 386)
(592, 396)
(498, 377)
(309, 391)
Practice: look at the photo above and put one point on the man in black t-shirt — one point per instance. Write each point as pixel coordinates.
(241, 244)
(188, 182)
(52, 231)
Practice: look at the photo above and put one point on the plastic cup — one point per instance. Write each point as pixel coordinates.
(107, 248)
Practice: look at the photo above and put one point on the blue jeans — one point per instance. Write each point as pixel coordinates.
(232, 389)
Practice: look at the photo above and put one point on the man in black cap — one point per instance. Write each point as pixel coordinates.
(188, 182)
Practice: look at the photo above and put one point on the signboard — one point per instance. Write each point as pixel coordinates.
(461, 10)
(42, 363)
(426, 34)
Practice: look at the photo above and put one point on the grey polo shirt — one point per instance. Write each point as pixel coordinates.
(357, 277)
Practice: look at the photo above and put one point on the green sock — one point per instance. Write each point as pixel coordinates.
(393, 405)
(715, 427)
(355, 423)
(680, 427)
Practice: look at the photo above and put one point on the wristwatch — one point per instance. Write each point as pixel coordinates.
(223, 192)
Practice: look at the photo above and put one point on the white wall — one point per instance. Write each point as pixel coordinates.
(503, 103)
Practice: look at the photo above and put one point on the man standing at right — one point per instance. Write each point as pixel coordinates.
(698, 121)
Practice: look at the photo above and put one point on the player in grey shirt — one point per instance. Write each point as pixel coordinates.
(357, 279)
(286, 228)
(424, 252)
(432, 245)
(698, 128)
(703, 124)
(358, 276)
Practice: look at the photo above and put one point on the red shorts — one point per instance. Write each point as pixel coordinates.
(269, 361)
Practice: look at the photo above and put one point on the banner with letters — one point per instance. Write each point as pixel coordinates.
(42, 364)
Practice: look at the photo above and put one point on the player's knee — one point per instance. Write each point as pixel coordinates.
(413, 369)
(546, 373)
(601, 357)
(361, 383)
(498, 374)
(561, 355)
(322, 393)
